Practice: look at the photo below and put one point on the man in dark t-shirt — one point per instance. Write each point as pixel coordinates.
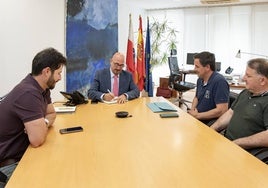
(212, 91)
(27, 112)
(246, 122)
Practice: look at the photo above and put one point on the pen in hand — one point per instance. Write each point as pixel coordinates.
(110, 92)
(111, 97)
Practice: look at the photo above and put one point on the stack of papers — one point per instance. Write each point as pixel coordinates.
(161, 107)
(64, 109)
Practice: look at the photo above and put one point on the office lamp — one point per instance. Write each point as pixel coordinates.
(238, 55)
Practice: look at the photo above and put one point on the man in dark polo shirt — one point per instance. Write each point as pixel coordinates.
(27, 112)
(212, 90)
(246, 122)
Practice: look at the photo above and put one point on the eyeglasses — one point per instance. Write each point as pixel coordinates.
(119, 65)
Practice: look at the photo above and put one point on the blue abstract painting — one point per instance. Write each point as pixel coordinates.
(91, 40)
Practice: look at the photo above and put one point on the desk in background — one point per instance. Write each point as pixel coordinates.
(141, 151)
(185, 72)
(237, 88)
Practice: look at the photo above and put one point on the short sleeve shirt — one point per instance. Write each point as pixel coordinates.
(216, 91)
(26, 102)
(250, 116)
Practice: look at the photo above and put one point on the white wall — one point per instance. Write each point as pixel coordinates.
(124, 9)
(221, 30)
(27, 27)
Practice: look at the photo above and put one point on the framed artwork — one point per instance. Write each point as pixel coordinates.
(91, 40)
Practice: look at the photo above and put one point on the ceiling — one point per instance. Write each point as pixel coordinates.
(168, 4)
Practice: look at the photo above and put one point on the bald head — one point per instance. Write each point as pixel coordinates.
(117, 63)
(118, 57)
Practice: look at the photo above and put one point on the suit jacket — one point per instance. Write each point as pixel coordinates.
(102, 82)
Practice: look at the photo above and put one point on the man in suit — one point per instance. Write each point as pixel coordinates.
(114, 82)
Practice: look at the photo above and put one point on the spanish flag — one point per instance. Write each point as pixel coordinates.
(140, 58)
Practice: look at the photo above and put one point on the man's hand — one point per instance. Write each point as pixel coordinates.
(193, 112)
(108, 96)
(121, 99)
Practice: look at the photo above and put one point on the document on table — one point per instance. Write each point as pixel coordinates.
(161, 107)
(65, 109)
(113, 101)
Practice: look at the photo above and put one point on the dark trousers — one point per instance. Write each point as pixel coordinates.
(208, 122)
(260, 153)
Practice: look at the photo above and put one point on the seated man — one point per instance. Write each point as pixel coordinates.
(114, 82)
(212, 90)
(26, 112)
(246, 122)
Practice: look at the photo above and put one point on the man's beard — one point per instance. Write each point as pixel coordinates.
(51, 82)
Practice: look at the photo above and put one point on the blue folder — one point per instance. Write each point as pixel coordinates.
(161, 107)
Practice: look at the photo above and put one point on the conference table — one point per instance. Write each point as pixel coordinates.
(142, 151)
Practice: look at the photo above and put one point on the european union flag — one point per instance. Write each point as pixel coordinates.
(148, 78)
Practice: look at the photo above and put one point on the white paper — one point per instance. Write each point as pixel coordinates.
(111, 101)
(60, 109)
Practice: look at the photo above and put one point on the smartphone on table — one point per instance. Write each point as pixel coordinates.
(71, 130)
(169, 115)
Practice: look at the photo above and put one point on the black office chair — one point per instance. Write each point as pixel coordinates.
(3, 178)
(177, 79)
(260, 153)
(232, 97)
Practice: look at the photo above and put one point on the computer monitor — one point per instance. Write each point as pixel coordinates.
(190, 58)
(218, 66)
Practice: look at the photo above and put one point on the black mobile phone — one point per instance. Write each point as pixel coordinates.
(71, 130)
(169, 115)
(94, 101)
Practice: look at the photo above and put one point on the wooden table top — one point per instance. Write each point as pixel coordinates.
(142, 151)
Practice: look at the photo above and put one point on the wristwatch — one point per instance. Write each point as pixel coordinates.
(47, 122)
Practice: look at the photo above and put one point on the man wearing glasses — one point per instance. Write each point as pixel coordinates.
(114, 83)
(246, 122)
